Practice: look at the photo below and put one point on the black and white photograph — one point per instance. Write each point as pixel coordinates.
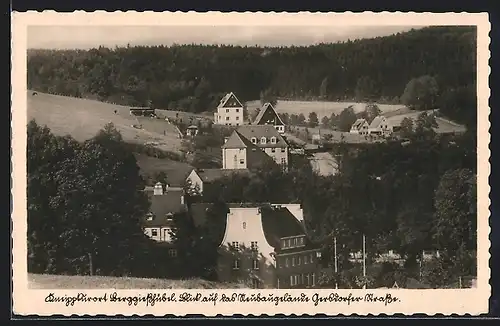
(262, 156)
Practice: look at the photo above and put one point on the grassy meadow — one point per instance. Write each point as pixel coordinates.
(45, 281)
(82, 119)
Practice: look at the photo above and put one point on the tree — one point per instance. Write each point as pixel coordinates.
(267, 96)
(325, 122)
(346, 118)
(424, 126)
(456, 211)
(366, 89)
(323, 89)
(313, 120)
(406, 127)
(421, 93)
(372, 111)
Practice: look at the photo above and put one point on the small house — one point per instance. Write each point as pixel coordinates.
(192, 131)
(360, 126)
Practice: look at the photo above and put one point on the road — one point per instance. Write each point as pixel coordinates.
(324, 164)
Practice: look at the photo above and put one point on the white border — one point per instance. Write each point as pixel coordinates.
(29, 301)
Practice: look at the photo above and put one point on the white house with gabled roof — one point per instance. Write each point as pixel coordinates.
(229, 111)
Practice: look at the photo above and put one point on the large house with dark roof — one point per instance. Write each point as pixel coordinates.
(268, 116)
(165, 203)
(250, 146)
(266, 246)
(229, 111)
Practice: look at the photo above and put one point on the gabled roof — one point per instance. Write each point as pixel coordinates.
(236, 140)
(263, 111)
(278, 223)
(210, 175)
(259, 131)
(226, 100)
(358, 124)
(377, 121)
(161, 205)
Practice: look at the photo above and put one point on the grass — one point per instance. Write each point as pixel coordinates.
(83, 118)
(323, 108)
(176, 172)
(45, 281)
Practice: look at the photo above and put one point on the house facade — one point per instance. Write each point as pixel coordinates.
(380, 126)
(259, 247)
(251, 145)
(165, 203)
(268, 116)
(229, 111)
(360, 126)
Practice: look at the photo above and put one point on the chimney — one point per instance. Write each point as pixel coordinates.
(158, 189)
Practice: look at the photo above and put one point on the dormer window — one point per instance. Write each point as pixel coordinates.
(263, 140)
(254, 140)
(169, 216)
(150, 216)
(273, 140)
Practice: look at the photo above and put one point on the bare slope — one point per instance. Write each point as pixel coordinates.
(44, 281)
(83, 118)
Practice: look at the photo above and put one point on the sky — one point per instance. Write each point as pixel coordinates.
(85, 37)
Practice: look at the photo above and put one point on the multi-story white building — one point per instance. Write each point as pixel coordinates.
(251, 145)
(229, 111)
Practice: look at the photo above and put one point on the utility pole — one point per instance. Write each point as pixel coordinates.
(335, 252)
(364, 261)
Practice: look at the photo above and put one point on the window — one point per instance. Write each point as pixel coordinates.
(283, 244)
(301, 241)
(287, 262)
(236, 264)
(244, 225)
(273, 140)
(237, 118)
(313, 282)
(299, 260)
(253, 245)
(172, 252)
(273, 150)
(311, 258)
(302, 276)
(154, 232)
(291, 280)
(242, 161)
(237, 110)
(263, 140)
(237, 124)
(293, 261)
(282, 150)
(305, 259)
(150, 216)
(227, 110)
(307, 280)
(169, 216)
(283, 161)
(235, 245)
(254, 140)
(255, 264)
(227, 118)
(219, 117)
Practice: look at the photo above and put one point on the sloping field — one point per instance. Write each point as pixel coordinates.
(44, 281)
(176, 172)
(444, 125)
(321, 108)
(83, 118)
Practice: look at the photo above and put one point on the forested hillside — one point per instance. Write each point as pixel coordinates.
(194, 77)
